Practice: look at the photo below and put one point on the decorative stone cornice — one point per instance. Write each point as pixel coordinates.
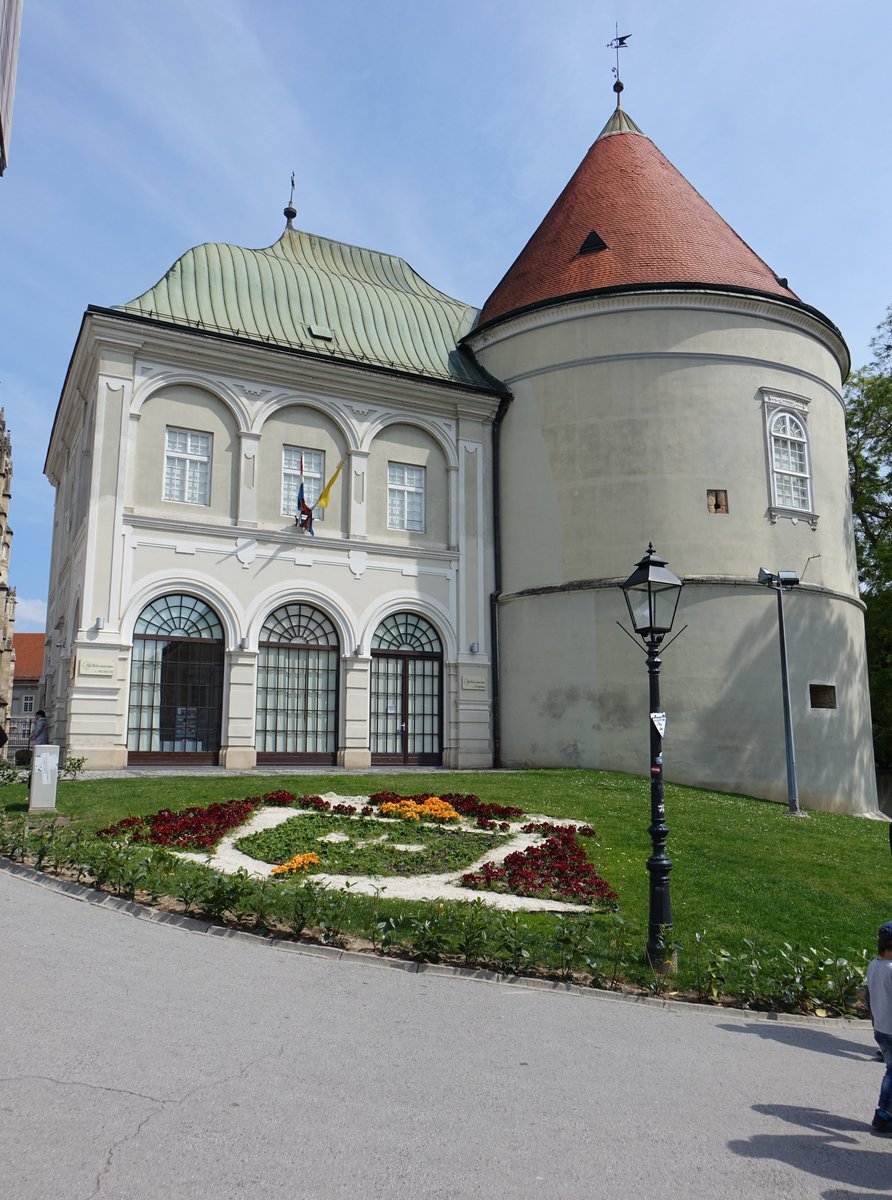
(777, 311)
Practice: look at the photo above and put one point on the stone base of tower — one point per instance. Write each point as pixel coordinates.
(575, 692)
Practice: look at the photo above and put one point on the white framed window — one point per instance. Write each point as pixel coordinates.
(313, 476)
(27, 704)
(405, 497)
(187, 466)
(789, 459)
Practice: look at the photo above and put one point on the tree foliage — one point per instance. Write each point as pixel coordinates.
(868, 395)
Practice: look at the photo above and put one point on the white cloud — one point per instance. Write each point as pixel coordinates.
(30, 615)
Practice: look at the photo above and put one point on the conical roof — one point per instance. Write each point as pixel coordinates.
(325, 297)
(627, 218)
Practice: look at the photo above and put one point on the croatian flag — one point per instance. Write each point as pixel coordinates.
(304, 512)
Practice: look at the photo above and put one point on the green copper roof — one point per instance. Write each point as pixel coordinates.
(620, 122)
(309, 293)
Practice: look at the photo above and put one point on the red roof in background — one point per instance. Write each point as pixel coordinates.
(28, 655)
(657, 228)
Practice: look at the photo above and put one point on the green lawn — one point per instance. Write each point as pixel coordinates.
(742, 867)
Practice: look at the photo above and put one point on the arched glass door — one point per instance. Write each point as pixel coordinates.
(297, 687)
(406, 722)
(176, 682)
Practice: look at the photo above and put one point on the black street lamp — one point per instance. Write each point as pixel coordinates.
(781, 581)
(652, 593)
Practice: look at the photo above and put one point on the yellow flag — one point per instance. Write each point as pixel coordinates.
(322, 502)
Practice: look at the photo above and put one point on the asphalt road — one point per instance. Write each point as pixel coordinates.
(143, 1061)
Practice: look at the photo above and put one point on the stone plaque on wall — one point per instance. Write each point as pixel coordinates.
(100, 667)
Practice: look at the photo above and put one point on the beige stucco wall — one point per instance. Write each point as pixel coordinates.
(620, 423)
(299, 425)
(625, 411)
(404, 443)
(577, 695)
(192, 408)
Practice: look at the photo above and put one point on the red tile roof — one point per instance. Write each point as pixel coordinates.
(28, 655)
(657, 228)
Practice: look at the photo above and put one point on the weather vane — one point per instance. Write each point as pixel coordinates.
(291, 198)
(618, 43)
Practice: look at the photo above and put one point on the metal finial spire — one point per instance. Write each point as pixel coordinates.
(290, 210)
(618, 43)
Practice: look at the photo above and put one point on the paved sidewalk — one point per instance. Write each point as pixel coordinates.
(143, 1060)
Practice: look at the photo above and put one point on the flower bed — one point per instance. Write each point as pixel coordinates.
(347, 846)
(191, 829)
(336, 839)
(432, 809)
(558, 869)
(486, 815)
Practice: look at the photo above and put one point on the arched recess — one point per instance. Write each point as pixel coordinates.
(408, 485)
(297, 686)
(175, 711)
(184, 428)
(289, 433)
(406, 701)
(146, 389)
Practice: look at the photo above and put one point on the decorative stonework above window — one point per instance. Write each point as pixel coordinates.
(788, 459)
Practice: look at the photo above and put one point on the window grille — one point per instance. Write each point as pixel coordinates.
(405, 497)
(313, 476)
(187, 467)
(176, 679)
(297, 684)
(789, 457)
(406, 691)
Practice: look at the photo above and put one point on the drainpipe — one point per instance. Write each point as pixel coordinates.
(497, 574)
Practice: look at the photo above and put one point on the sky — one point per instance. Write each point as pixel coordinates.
(438, 130)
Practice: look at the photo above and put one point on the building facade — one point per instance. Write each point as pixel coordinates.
(477, 483)
(192, 617)
(10, 33)
(26, 696)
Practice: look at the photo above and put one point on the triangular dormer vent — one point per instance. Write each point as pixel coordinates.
(593, 242)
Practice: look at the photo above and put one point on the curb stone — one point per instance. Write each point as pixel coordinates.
(139, 912)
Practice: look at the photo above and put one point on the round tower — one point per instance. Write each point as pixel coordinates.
(667, 386)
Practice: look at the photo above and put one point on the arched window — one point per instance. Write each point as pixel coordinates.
(406, 724)
(789, 461)
(297, 686)
(176, 681)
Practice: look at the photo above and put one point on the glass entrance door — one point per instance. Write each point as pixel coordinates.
(406, 724)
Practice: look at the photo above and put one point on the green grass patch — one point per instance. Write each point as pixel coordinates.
(372, 847)
(743, 870)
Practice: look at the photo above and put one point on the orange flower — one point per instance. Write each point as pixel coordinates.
(411, 810)
(300, 862)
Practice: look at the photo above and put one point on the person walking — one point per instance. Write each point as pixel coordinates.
(40, 735)
(878, 994)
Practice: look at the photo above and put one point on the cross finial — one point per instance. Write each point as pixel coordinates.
(290, 210)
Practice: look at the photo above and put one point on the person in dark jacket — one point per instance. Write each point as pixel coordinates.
(40, 734)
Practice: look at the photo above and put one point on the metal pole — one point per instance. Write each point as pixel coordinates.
(792, 784)
(659, 865)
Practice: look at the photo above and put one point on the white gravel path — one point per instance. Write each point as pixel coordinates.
(416, 887)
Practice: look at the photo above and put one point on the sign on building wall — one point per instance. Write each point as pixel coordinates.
(96, 666)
